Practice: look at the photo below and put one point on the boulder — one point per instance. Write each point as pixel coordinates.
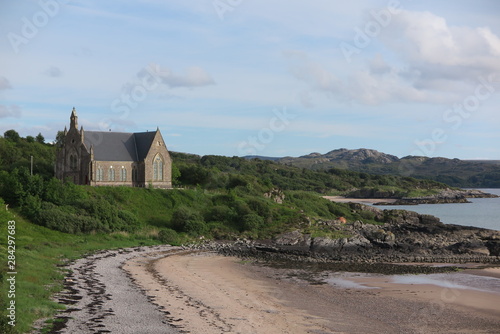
(294, 238)
(475, 247)
(338, 246)
(276, 195)
(326, 245)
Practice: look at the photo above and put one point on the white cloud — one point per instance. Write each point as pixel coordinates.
(380, 84)
(193, 77)
(435, 63)
(149, 76)
(425, 39)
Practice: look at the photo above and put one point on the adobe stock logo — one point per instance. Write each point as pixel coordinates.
(149, 79)
(223, 6)
(30, 27)
(453, 118)
(278, 123)
(364, 36)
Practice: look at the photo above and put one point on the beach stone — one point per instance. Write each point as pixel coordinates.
(293, 238)
(326, 245)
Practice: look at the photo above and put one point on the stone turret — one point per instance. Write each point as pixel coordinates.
(74, 119)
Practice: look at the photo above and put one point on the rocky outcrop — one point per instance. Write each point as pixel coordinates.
(276, 195)
(445, 196)
(404, 237)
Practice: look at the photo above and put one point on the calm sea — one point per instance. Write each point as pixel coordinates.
(482, 212)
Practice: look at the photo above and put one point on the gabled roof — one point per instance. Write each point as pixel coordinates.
(143, 141)
(118, 146)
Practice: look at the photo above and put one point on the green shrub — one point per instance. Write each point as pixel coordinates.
(129, 221)
(251, 222)
(168, 236)
(195, 227)
(56, 218)
(220, 213)
(259, 206)
(219, 231)
(188, 220)
(236, 181)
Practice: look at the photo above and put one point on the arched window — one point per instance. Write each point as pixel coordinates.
(100, 174)
(123, 174)
(158, 168)
(72, 162)
(111, 174)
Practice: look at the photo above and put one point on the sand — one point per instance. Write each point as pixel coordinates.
(341, 199)
(208, 293)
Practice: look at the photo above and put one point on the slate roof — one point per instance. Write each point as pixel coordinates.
(119, 146)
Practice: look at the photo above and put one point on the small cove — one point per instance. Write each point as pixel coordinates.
(482, 212)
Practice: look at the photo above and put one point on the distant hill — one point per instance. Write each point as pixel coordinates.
(454, 172)
(260, 157)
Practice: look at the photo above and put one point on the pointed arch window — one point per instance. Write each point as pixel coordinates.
(100, 174)
(158, 168)
(73, 162)
(111, 174)
(123, 174)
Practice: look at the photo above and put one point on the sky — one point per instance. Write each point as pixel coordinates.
(254, 77)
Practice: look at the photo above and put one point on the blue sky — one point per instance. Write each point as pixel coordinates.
(275, 78)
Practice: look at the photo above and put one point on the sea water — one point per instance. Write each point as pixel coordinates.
(482, 212)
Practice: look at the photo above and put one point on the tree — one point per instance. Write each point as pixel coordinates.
(176, 174)
(40, 139)
(30, 139)
(59, 138)
(12, 135)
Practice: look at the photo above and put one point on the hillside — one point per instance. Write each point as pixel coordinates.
(454, 172)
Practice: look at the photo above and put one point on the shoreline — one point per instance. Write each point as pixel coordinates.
(342, 199)
(208, 293)
(165, 289)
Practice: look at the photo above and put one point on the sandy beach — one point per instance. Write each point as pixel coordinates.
(208, 293)
(342, 199)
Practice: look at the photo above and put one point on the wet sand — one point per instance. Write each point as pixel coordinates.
(207, 293)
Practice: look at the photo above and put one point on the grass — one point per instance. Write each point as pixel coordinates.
(39, 254)
(151, 206)
(423, 192)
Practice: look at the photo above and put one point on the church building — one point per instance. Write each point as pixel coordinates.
(102, 158)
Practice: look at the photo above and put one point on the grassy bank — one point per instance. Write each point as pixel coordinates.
(39, 254)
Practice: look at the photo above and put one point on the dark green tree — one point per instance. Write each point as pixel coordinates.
(12, 135)
(40, 139)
